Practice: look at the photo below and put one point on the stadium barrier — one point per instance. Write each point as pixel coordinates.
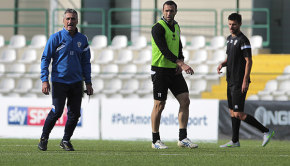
(109, 119)
(272, 114)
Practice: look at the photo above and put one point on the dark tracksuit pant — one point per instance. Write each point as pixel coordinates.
(60, 92)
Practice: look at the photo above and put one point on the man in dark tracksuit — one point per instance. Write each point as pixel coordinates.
(71, 65)
(239, 64)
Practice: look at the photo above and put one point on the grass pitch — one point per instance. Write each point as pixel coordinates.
(90, 152)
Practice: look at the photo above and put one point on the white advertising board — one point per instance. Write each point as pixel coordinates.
(24, 118)
(130, 119)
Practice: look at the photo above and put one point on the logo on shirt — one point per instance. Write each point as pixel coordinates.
(236, 107)
(79, 44)
(173, 37)
(235, 42)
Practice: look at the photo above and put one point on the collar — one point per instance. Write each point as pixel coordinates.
(67, 32)
(174, 22)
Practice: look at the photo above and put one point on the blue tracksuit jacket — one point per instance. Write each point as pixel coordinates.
(70, 58)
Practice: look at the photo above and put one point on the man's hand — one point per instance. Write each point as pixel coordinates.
(219, 69)
(90, 90)
(245, 86)
(184, 67)
(45, 87)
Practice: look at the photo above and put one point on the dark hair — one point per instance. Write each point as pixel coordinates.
(69, 10)
(235, 17)
(170, 3)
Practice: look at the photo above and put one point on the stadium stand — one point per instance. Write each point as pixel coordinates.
(119, 64)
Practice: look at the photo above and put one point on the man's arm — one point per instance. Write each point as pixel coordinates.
(248, 68)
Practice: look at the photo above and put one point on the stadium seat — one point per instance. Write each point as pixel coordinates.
(197, 42)
(139, 43)
(15, 70)
(143, 71)
(7, 85)
(2, 69)
(198, 57)
(17, 41)
(2, 41)
(92, 52)
(37, 87)
(285, 75)
(23, 85)
(143, 57)
(283, 87)
(109, 71)
(113, 86)
(253, 97)
(145, 87)
(38, 41)
(95, 70)
(183, 41)
(106, 56)
(33, 71)
(186, 55)
(217, 57)
(197, 86)
(270, 87)
(129, 86)
(7, 56)
(119, 41)
(200, 71)
(99, 42)
(127, 71)
(132, 96)
(216, 42)
(281, 98)
(124, 56)
(266, 97)
(98, 85)
(256, 41)
(213, 75)
(28, 56)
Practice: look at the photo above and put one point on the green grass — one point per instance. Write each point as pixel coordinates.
(116, 153)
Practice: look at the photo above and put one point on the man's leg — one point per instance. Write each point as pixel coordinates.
(183, 114)
(58, 101)
(73, 109)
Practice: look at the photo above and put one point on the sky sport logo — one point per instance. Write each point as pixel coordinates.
(33, 116)
(269, 117)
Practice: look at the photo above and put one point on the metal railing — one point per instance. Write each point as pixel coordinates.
(16, 25)
(81, 10)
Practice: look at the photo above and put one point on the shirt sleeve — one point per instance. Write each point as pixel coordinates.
(246, 48)
(86, 64)
(49, 50)
(158, 34)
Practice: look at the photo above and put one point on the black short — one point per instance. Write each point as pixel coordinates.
(236, 99)
(167, 79)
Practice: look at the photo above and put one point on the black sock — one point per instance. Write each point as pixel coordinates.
(252, 121)
(235, 129)
(182, 134)
(155, 137)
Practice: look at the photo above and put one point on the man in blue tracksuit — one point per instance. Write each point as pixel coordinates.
(70, 54)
